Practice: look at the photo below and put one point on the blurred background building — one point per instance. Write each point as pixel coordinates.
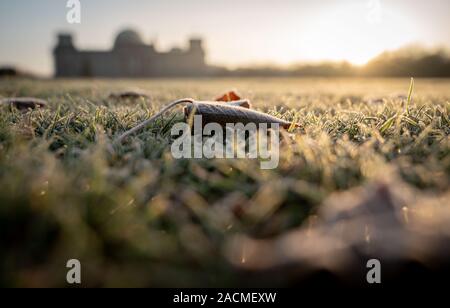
(129, 57)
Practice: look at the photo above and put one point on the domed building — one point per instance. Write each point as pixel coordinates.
(128, 38)
(130, 56)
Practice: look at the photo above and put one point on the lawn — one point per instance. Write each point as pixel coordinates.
(135, 216)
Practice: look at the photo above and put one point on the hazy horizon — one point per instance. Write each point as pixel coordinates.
(235, 33)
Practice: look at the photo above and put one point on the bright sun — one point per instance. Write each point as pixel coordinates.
(344, 32)
(355, 33)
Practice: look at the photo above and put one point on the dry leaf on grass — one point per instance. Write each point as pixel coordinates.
(230, 96)
(129, 95)
(216, 112)
(24, 103)
(233, 99)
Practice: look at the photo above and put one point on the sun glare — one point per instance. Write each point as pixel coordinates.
(347, 31)
(355, 33)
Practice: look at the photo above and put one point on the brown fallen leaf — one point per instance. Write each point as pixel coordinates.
(228, 97)
(129, 95)
(233, 99)
(214, 112)
(24, 103)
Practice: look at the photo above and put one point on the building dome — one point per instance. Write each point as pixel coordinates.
(128, 38)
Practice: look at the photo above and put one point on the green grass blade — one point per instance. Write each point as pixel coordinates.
(411, 88)
(387, 124)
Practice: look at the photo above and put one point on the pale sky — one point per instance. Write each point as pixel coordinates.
(236, 32)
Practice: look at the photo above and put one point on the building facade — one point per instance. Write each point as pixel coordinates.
(129, 57)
